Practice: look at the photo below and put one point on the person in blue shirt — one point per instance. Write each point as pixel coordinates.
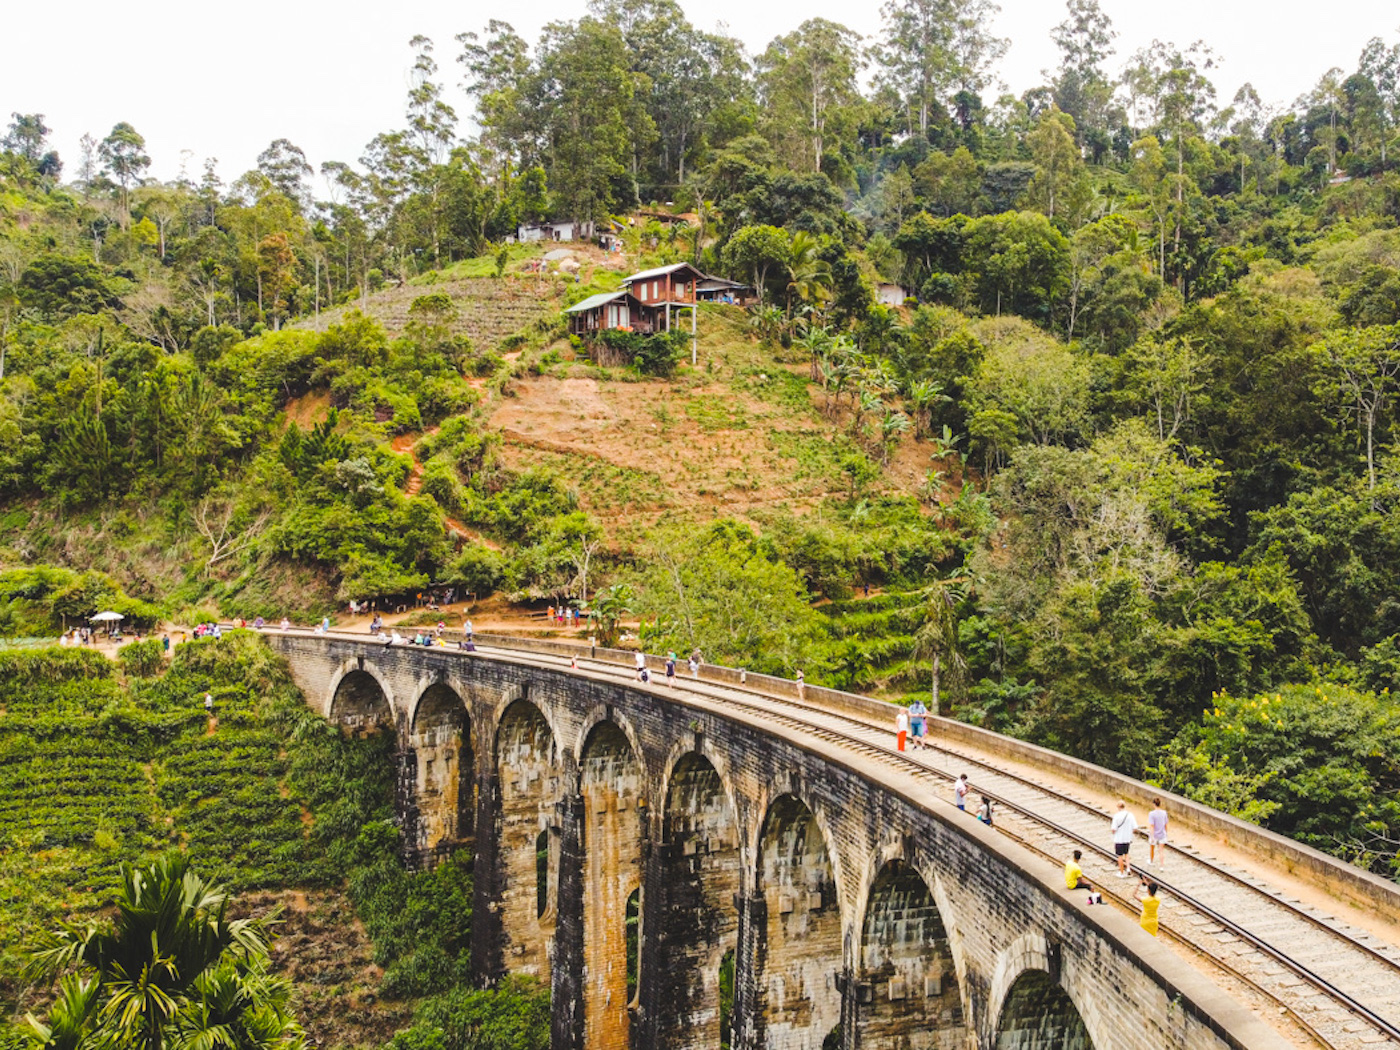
(918, 715)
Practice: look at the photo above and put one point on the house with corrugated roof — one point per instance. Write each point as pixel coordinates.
(651, 301)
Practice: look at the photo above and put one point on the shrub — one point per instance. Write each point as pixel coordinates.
(142, 659)
(655, 355)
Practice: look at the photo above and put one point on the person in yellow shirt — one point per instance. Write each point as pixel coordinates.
(1150, 904)
(1074, 874)
(1075, 880)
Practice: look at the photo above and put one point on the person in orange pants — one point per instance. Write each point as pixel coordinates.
(901, 727)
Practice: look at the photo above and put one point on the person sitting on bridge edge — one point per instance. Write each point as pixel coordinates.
(1075, 880)
(1157, 834)
(1074, 874)
(918, 717)
(1150, 905)
(1124, 826)
(960, 792)
(984, 811)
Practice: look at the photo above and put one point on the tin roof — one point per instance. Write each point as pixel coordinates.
(595, 301)
(660, 271)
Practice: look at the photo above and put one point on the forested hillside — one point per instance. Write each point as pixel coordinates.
(1114, 470)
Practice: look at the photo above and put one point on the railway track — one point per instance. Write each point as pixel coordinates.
(1338, 985)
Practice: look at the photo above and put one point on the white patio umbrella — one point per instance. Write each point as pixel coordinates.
(103, 617)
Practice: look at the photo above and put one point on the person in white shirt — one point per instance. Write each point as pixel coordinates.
(960, 792)
(641, 666)
(1157, 834)
(901, 728)
(1124, 825)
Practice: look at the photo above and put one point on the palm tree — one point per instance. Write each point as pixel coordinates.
(809, 276)
(893, 426)
(607, 611)
(925, 394)
(155, 966)
(817, 342)
(71, 1016)
(937, 639)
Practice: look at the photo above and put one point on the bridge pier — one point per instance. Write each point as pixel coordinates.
(749, 964)
(566, 973)
(488, 885)
(691, 921)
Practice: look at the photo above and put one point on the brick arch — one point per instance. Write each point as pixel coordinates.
(786, 784)
(797, 1002)
(905, 959)
(1029, 979)
(351, 669)
(596, 716)
(699, 868)
(931, 873)
(521, 693)
(430, 682)
(701, 748)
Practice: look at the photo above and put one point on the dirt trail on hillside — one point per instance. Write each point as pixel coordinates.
(403, 446)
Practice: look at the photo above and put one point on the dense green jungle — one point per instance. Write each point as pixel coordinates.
(1073, 412)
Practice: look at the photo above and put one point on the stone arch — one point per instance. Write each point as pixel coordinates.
(797, 1001)
(700, 876)
(614, 805)
(1032, 953)
(1039, 1014)
(528, 786)
(906, 965)
(360, 699)
(445, 769)
(602, 714)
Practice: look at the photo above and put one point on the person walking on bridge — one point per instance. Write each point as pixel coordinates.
(918, 719)
(1157, 834)
(901, 728)
(960, 790)
(1124, 826)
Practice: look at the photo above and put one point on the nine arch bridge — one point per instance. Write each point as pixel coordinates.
(661, 856)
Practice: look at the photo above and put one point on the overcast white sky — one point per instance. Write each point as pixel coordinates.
(224, 80)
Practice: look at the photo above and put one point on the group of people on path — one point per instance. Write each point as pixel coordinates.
(910, 723)
(1123, 827)
(644, 672)
(563, 616)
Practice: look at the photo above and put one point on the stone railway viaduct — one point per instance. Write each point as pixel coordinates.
(605, 816)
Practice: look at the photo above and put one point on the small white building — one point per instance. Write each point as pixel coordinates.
(562, 230)
(891, 294)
